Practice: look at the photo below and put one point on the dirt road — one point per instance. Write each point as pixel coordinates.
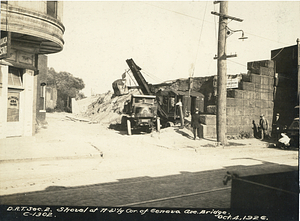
(77, 163)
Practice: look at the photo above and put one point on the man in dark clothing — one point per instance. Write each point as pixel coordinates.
(196, 123)
(264, 127)
(276, 130)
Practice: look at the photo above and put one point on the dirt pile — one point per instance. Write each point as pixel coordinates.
(108, 108)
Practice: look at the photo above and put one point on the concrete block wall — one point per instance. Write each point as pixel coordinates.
(253, 98)
(208, 125)
(246, 103)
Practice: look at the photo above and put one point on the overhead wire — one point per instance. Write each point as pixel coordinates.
(237, 63)
(178, 12)
(211, 22)
(199, 40)
(216, 30)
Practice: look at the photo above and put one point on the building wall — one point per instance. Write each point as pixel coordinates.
(33, 33)
(245, 104)
(252, 97)
(42, 65)
(51, 98)
(38, 6)
(286, 94)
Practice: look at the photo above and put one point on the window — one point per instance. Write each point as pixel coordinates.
(52, 8)
(43, 96)
(13, 108)
(15, 77)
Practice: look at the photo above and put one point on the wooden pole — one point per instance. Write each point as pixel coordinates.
(222, 78)
(298, 67)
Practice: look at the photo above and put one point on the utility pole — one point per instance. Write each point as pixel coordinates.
(222, 76)
(298, 66)
(222, 69)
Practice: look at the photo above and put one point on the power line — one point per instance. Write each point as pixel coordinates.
(237, 63)
(178, 12)
(211, 22)
(266, 38)
(199, 40)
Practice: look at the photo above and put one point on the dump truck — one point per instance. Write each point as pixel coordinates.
(140, 113)
(167, 99)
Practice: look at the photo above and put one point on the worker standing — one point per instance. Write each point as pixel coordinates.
(276, 127)
(264, 127)
(196, 123)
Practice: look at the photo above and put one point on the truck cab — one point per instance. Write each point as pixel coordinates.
(141, 113)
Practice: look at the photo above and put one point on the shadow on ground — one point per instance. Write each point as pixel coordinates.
(204, 189)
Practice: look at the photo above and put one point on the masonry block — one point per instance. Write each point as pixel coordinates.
(254, 66)
(252, 103)
(270, 112)
(231, 111)
(257, 111)
(270, 87)
(235, 93)
(208, 119)
(264, 104)
(246, 121)
(266, 71)
(247, 86)
(248, 111)
(232, 130)
(211, 132)
(239, 111)
(264, 96)
(270, 104)
(239, 103)
(246, 103)
(230, 102)
(246, 128)
(258, 104)
(248, 95)
(270, 81)
(263, 90)
(233, 120)
(212, 109)
(252, 95)
(246, 77)
(265, 87)
(255, 78)
(257, 95)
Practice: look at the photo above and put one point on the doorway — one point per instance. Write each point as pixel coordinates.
(14, 101)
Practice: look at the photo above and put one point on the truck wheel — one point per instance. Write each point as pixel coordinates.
(158, 125)
(123, 122)
(128, 127)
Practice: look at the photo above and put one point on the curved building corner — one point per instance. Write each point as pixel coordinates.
(29, 31)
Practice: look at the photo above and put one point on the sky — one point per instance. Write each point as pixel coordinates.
(168, 40)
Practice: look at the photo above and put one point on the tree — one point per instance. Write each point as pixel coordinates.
(67, 87)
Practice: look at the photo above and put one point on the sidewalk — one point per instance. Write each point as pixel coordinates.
(33, 148)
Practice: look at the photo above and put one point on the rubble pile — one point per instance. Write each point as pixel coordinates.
(108, 108)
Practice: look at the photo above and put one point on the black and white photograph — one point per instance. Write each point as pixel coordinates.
(149, 110)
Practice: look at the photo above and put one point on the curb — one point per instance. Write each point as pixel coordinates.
(100, 155)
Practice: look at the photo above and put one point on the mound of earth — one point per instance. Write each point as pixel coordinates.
(108, 107)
